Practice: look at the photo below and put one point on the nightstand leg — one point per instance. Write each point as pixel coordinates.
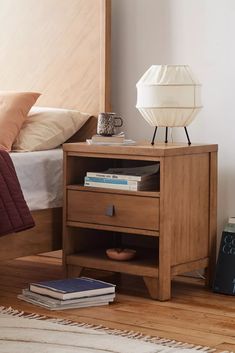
(158, 290)
(74, 271)
(164, 292)
(164, 279)
(164, 271)
(152, 286)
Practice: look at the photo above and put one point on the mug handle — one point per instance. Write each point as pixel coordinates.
(118, 118)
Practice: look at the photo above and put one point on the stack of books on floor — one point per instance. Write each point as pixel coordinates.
(131, 179)
(118, 139)
(69, 293)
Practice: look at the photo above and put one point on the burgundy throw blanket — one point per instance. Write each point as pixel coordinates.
(14, 212)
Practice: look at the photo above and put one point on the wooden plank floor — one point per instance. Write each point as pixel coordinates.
(194, 314)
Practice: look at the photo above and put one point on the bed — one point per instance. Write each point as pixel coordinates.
(61, 49)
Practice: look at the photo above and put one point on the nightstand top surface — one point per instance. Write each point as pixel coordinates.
(141, 149)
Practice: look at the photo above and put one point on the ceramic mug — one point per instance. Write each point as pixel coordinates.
(107, 122)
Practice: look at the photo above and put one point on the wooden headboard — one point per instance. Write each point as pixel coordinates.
(60, 48)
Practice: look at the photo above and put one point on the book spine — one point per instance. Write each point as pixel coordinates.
(114, 176)
(112, 186)
(111, 181)
(107, 139)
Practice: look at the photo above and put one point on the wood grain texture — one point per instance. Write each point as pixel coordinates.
(213, 218)
(153, 287)
(183, 212)
(62, 50)
(186, 186)
(142, 149)
(165, 239)
(58, 48)
(129, 211)
(46, 236)
(194, 314)
(155, 194)
(122, 229)
(97, 259)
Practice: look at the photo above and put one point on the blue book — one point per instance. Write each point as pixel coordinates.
(72, 288)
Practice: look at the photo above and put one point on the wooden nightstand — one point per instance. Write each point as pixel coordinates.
(173, 226)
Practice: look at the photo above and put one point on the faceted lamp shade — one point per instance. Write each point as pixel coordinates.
(168, 95)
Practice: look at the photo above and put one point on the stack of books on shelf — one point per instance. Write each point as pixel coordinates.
(69, 293)
(131, 179)
(118, 139)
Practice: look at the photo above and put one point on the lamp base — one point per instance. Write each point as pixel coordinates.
(166, 135)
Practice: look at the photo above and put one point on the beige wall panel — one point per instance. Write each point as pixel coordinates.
(56, 47)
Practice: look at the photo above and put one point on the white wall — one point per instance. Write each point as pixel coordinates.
(199, 33)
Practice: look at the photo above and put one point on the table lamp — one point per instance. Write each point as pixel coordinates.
(168, 96)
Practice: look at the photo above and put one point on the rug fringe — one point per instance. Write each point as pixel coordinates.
(124, 333)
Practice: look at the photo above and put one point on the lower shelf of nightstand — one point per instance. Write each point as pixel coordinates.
(143, 265)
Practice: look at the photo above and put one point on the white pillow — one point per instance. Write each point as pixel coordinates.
(47, 128)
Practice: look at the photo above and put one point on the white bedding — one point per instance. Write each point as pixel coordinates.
(40, 176)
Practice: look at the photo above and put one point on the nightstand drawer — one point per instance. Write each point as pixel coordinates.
(112, 209)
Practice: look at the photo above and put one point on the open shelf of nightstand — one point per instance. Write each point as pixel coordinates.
(144, 265)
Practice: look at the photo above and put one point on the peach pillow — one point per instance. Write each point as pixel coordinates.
(14, 107)
(47, 128)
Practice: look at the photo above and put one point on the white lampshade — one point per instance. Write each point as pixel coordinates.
(168, 95)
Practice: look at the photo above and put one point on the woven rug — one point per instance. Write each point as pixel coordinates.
(32, 333)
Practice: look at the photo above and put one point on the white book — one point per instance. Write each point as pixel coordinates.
(111, 181)
(118, 138)
(152, 185)
(61, 307)
(124, 143)
(57, 302)
(111, 186)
